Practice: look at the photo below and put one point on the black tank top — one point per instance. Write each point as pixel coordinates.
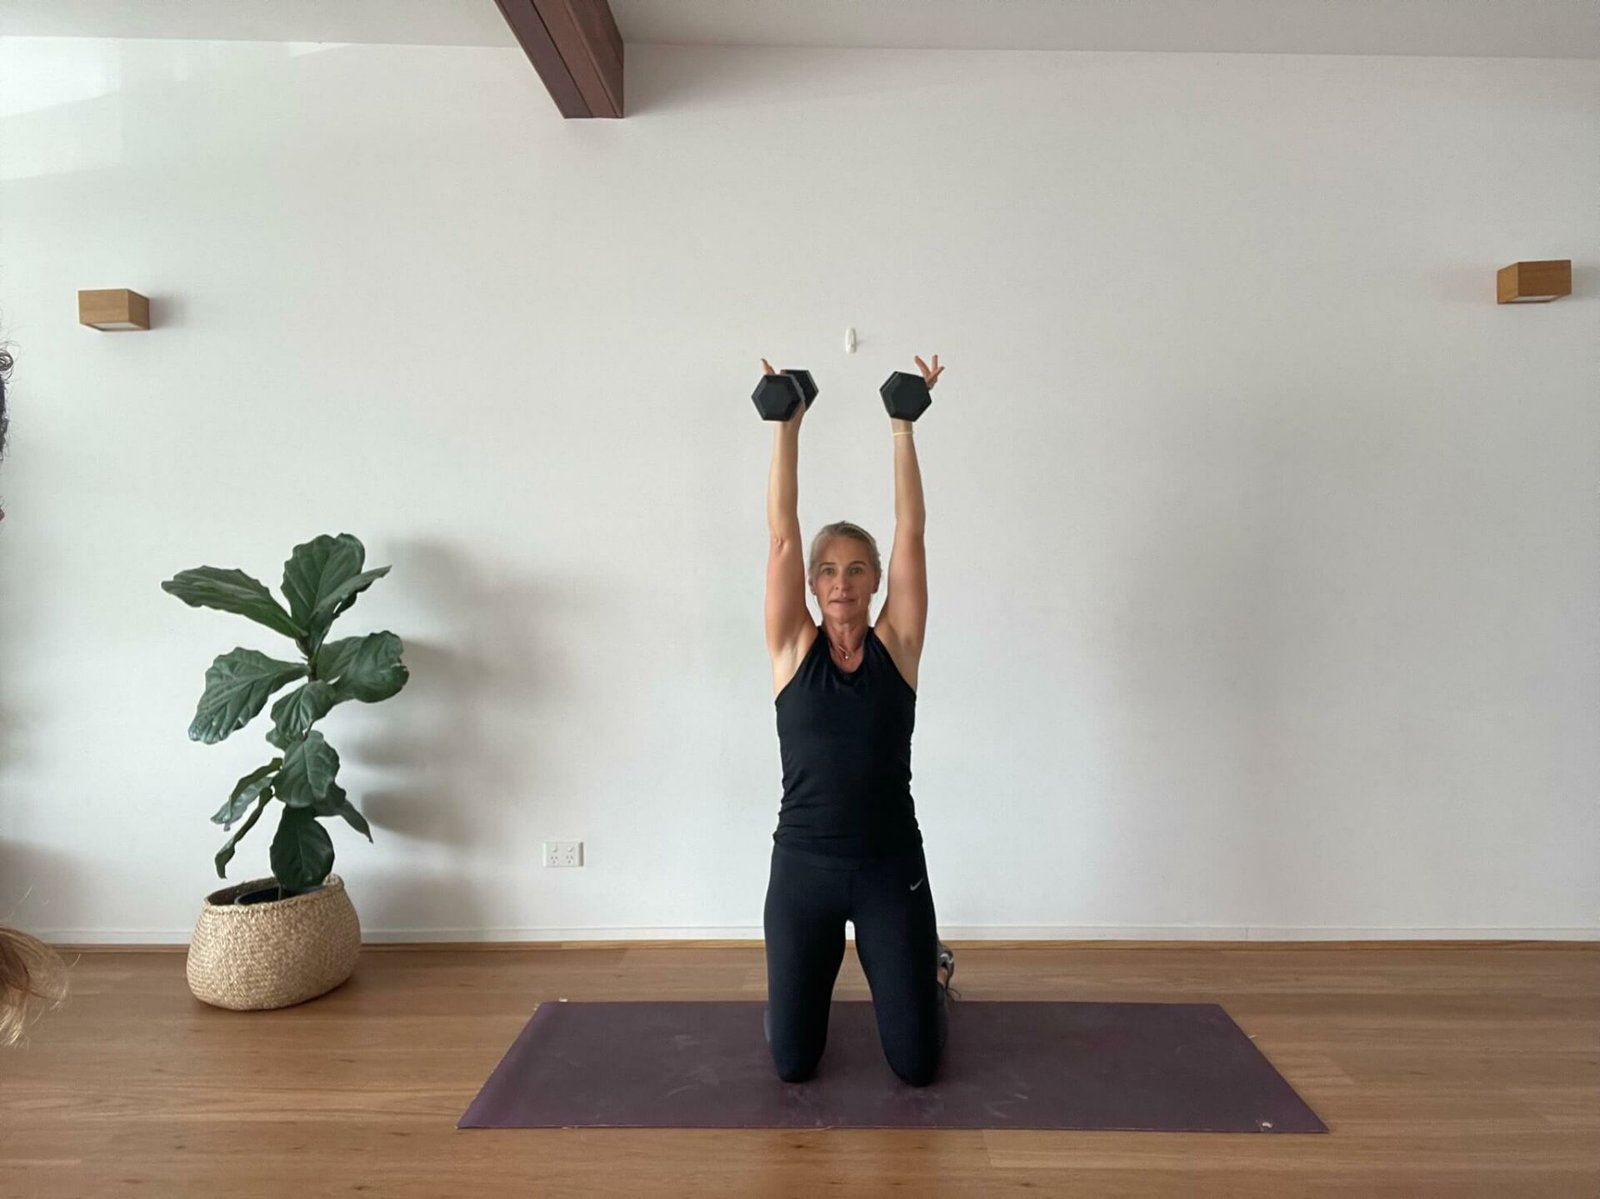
(846, 746)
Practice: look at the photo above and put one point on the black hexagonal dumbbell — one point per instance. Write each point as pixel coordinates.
(777, 396)
(905, 396)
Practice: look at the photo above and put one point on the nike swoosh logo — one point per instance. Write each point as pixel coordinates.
(919, 882)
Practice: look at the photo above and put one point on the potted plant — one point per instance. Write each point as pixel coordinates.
(271, 942)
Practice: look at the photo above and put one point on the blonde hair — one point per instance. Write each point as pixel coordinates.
(842, 528)
(29, 970)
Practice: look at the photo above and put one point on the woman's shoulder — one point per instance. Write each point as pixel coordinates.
(905, 656)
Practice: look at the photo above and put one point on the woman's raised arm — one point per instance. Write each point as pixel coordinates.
(783, 487)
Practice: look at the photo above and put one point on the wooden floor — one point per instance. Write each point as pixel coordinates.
(1450, 1070)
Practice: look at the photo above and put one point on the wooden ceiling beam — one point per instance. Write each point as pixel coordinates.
(577, 50)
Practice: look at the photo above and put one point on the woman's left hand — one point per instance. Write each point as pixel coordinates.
(931, 374)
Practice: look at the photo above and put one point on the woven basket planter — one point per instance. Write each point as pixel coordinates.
(267, 955)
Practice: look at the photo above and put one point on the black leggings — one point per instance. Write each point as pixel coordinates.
(890, 902)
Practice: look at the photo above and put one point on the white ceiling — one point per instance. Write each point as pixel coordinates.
(1471, 28)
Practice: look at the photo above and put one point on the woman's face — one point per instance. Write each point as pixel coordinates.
(844, 582)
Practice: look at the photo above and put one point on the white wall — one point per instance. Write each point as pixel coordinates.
(1264, 563)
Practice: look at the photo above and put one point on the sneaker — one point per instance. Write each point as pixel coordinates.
(947, 965)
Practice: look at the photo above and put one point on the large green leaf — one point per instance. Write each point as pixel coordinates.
(302, 852)
(342, 596)
(245, 793)
(297, 711)
(316, 568)
(233, 591)
(336, 803)
(309, 767)
(238, 685)
(322, 578)
(225, 854)
(364, 668)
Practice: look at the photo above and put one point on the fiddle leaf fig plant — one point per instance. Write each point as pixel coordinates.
(321, 579)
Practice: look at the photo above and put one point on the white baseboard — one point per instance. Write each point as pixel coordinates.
(1032, 932)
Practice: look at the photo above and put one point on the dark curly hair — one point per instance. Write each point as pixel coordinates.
(5, 370)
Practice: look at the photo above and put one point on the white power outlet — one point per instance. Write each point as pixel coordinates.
(563, 853)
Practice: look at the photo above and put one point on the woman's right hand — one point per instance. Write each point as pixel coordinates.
(800, 412)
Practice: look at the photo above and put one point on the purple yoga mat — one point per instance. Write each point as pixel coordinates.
(1158, 1067)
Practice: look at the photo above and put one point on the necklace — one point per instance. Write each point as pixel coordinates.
(844, 653)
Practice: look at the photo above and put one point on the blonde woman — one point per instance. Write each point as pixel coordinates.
(847, 845)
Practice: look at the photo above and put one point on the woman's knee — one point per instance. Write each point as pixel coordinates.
(792, 1064)
(794, 1067)
(919, 1073)
(918, 1068)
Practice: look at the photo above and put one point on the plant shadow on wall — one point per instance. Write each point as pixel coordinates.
(322, 579)
(477, 753)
